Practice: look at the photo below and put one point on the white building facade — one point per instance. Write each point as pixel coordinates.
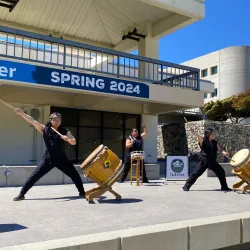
(227, 68)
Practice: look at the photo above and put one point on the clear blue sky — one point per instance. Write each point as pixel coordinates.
(226, 23)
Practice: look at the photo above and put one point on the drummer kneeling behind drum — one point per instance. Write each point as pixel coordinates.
(133, 143)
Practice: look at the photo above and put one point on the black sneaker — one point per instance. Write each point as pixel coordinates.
(185, 188)
(145, 181)
(82, 194)
(19, 197)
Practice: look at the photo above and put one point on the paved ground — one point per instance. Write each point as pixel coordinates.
(51, 212)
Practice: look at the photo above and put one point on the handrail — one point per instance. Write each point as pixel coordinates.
(20, 44)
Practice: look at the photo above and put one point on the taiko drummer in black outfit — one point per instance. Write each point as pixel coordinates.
(207, 159)
(54, 155)
(134, 143)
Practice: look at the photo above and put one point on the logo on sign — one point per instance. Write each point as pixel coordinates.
(177, 166)
(107, 164)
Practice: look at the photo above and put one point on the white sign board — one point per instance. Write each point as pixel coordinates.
(177, 167)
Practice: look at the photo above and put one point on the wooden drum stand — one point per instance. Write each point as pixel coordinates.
(139, 157)
(103, 167)
(241, 164)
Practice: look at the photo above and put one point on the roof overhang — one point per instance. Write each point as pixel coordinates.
(102, 22)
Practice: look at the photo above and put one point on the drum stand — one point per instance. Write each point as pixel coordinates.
(137, 177)
(103, 188)
(244, 179)
(97, 192)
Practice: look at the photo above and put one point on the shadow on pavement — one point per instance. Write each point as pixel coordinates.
(67, 198)
(121, 201)
(10, 227)
(210, 190)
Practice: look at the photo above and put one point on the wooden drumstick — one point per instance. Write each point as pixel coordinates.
(7, 104)
(230, 158)
(56, 131)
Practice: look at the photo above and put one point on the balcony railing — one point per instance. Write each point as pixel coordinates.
(190, 111)
(28, 46)
(194, 112)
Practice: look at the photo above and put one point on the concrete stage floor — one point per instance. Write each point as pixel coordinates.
(54, 212)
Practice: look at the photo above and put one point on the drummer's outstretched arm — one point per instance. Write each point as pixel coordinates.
(70, 138)
(129, 143)
(221, 150)
(39, 127)
(145, 132)
(200, 138)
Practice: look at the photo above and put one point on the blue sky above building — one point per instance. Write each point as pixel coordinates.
(226, 23)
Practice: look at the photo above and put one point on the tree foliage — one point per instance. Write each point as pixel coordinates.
(214, 111)
(235, 108)
(243, 101)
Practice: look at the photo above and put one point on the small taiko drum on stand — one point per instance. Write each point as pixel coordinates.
(241, 168)
(139, 157)
(103, 167)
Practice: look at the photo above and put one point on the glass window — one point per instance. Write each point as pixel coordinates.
(204, 73)
(90, 118)
(70, 150)
(205, 95)
(92, 128)
(214, 70)
(112, 120)
(113, 139)
(131, 121)
(215, 92)
(69, 116)
(89, 139)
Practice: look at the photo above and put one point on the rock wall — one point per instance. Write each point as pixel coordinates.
(174, 139)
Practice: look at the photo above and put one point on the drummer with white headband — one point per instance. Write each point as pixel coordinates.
(54, 155)
(134, 143)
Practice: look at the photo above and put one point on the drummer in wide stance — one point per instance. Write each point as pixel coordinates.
(133, 143)
(54, 155)
(207, 159)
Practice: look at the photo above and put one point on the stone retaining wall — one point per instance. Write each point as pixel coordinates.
(174, 139)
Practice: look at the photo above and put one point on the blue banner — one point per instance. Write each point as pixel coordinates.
(21, 72)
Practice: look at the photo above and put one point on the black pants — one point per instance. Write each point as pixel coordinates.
(127, 166)
(45, 165)
(201, 168)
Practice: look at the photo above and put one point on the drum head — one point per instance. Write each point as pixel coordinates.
(92, 157)
(240, 157)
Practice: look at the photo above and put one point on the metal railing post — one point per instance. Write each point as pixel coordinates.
(118, 66)
(64, 56)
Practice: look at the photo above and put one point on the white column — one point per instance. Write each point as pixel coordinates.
(148, 47)
(150, 142)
